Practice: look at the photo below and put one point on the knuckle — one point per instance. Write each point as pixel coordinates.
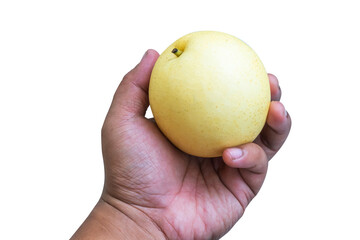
(260, 153)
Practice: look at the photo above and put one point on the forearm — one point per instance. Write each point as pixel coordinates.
(108, 222)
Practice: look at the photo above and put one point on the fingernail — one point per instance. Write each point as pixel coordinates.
(236, 153)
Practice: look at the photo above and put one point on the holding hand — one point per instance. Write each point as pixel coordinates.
(152, 189)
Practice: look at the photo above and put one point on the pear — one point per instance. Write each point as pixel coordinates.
(209, 91)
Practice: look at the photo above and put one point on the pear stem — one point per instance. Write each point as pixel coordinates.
(177, 52)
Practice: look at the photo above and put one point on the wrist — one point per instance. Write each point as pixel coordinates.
(113, 219)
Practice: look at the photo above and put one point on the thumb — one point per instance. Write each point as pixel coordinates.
(131, 97)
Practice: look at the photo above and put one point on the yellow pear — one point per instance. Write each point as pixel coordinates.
(209, 91)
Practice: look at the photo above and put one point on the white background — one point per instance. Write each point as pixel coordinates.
(61, 61)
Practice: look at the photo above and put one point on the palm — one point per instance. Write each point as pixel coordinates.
(189, 195)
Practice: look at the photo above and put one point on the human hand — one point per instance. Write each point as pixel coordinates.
(181, 196)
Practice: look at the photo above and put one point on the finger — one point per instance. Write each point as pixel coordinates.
(245, 171)
(276, 129)
(131, 97)
(249, 156)
(152, 120)
(274, 88)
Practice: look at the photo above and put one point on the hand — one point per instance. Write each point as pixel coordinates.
(185, 197)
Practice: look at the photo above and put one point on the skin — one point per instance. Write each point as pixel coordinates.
(153, 190)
